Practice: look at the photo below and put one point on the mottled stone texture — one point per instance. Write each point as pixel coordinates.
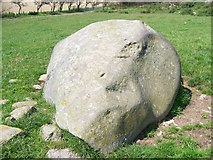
(110, 80)
(8, 132)
(62, 153)
(50, 132)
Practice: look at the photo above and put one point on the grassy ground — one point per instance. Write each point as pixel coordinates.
(27, 46)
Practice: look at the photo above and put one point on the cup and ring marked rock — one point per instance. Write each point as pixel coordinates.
(111, 79)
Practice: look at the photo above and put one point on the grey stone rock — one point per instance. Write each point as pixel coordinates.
(50, 132)
(27, 99)
(8, 132)
(110, 80)
(169, 123)
(43, 78)
(3, 101)
(21, 109)
(61, 153)
(203, 97)
(29, 103)
(9, 119)
(20, 112)
(13, 80)
(37, 87)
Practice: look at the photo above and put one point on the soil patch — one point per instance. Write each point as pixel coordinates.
(197, 112)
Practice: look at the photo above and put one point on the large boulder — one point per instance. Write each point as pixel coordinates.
(111, 79)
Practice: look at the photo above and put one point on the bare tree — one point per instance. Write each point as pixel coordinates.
(94, 3)
(53, 4)
(39, 4)
(87, 2)
(70, 5)
(78, 4)
(105, 4)
(19, 3)
(61, 4)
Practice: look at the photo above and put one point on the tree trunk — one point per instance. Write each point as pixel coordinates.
(93, 5)
(61, 6)
(69, 6)
(53, 7)
(38, 7)
(86, 4)
(19, 11)
(78, 7)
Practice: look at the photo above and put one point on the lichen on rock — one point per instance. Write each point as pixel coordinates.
(111, 79)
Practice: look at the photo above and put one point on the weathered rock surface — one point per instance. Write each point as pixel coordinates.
(37, 87)
(43, 78)
(50, 132)
(20, 112)
(110, 80)
(61, 153)
(13, 80)
(3, 101)
(8, 132)
(21, 109)
(29, 103)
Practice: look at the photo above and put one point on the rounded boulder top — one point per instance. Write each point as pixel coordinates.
(111, 79)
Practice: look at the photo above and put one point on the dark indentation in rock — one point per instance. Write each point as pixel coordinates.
(50, 136)
(107, 111)
(130, 49)
(122, 56)
(12, 119)
(113, 87)
(117, 86)
(129, 45)
(144, 49)
(32, 110)
(102, 74)
(48, 76)
(147, 46)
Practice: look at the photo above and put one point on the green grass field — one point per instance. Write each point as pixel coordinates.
(27, 45)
